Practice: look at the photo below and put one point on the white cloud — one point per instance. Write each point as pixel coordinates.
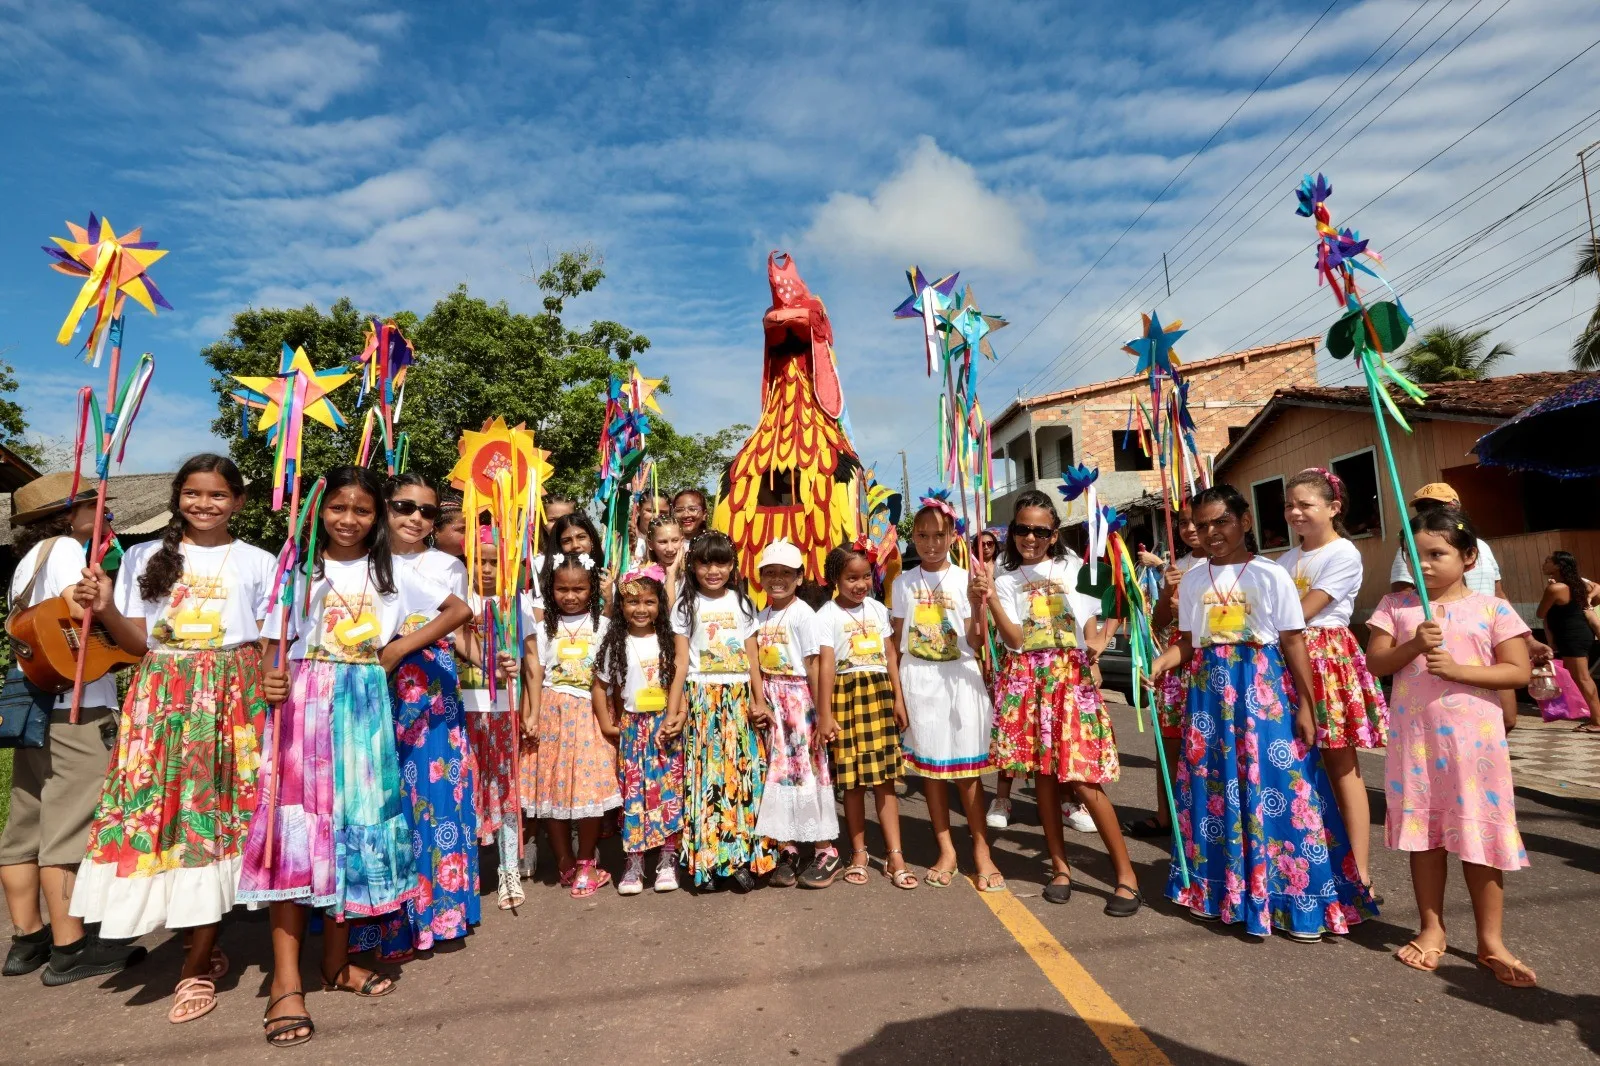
(934, 208)
(306, 70)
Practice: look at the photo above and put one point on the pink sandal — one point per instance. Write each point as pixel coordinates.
(590, 879)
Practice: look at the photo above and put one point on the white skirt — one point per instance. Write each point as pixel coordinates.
(950, 715)
(128, 907)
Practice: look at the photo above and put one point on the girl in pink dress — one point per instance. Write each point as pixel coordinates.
(1449, 770)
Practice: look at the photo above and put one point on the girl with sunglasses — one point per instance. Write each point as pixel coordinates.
(430, 731)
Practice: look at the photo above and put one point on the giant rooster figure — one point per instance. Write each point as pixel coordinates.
(794, 477)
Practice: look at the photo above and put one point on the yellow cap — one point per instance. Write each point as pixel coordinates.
(1437, 491)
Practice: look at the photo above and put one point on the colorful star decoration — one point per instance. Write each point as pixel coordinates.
(1154, 349)
(112, 267)
(974, 327)
(496, 449)
(269, 394)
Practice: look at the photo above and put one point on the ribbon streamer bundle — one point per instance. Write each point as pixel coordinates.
(622, 451)
(113, 268)
(385, 357)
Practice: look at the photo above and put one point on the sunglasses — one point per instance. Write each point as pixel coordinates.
(407, 508)
(1042, 532)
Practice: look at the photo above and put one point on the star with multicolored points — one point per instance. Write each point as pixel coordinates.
(268, 393)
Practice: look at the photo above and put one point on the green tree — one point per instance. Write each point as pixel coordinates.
(475, 360)
(692, 460)
(1586, 347)
(13, 422)
(1446, 353)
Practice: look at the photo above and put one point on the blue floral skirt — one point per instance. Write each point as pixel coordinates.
(437, 771)
(1261, 832)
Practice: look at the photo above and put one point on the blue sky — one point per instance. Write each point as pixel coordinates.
(290, 152)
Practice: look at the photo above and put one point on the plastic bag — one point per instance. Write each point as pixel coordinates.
(1568, 703)
(1542, 685)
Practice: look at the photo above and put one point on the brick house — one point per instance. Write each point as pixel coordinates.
(1523, 516)
(1036, 437)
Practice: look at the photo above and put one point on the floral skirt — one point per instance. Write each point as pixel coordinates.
(1171, 690)
(950, 717)
(330, 790)
(574, 765)
(167, 838)
(867, 750)
(492, 736)
(1348, 703)
(437, 771)
(797, 800)
(651, 769)
(1261, 832)
(723, 775)
(1051, 719)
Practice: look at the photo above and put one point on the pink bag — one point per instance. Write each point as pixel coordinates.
(1568, 703)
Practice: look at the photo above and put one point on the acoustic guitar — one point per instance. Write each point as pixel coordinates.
(44, 640)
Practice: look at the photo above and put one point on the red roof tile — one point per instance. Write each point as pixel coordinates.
(1493, 397)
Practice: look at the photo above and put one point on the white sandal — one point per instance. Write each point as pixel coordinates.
(511, 894)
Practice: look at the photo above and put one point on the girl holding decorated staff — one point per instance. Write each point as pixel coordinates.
(1262, 837)
(717, 693)
(167, 841)
(939, 620)
(632, 672)
(575, 765)
(1050, 720)
(330, 830)
(859, 675)
(1345, 697)
(437, 768)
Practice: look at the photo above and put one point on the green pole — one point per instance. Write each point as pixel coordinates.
(1394, 481)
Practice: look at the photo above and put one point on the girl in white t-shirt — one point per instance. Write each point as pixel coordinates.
(1050, 720)
(330, 830)
(858, 673)
(666, 548)
(1263, 842)
(949, 713)
(631, 675)
(1345, 697)
(717, 694)
(797, 798)
(575, 764)
(167, 840)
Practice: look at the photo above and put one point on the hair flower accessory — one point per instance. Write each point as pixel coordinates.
(653, 571)
(938, 500)
(585, 562)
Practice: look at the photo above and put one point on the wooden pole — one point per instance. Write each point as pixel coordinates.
(103, 469)
(280, 658)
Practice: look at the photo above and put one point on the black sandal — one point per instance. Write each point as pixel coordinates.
(1124, 906)
(1146, 827)
(1054, 893)
(365, 991)
(280, 1030)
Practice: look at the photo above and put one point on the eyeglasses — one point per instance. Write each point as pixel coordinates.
(689, 508)
(1042, 532)
(407, 508)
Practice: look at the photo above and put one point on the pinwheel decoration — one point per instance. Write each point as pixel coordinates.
(928, 301)
(622, 451)
(1367, 331)
(285, 400)
(1155, 349)
(1158, 359)
(385, 357)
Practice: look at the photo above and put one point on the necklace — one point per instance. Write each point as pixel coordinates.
(1211, 576)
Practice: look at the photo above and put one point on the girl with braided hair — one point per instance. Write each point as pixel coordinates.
(632, 671)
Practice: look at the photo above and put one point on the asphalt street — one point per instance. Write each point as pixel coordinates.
(878, 975)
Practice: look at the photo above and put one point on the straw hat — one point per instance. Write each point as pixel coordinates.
(44, 497)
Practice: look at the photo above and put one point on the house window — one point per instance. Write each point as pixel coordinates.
(1063, 453)
(1363, 512)
(1027, 471)
(1272, 530)
(1126, 453)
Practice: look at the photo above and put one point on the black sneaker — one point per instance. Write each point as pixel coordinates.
(90, 957)
(742, 880)
(787, 872)
(27, 953)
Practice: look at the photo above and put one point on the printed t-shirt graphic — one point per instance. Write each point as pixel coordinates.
(863, 632)
(571, 664)
(1249, 603)
(348, 630)
(933, 625)
(723, 652)
(643, 691)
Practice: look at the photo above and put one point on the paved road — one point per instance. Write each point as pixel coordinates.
(877, 975)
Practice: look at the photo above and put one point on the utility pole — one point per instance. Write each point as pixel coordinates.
(1583, 168)
(905, 483)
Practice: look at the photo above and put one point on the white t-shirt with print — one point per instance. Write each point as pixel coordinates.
(568, 657)
(217, 602)
(859, 636)
(1044, 602)
(1334, 568)
(443, 570)
(785, 639)
(62, 569)
(937, 610)
(350, 620)
(1480, 579)
(1241, 603)
(644, 691)
(716, 639)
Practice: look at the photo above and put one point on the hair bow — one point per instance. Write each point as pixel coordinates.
(865, 546)
(653, 571)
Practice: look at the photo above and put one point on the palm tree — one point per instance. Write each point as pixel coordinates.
(1446, 353)
(1586, 348)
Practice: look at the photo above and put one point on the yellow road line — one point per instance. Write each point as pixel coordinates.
(1128, 1044)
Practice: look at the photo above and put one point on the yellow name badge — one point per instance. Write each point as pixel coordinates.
(1225, 618)
(1302, 584)
(354, 631)
(1045, 607)
(572, 649)
(197, 625)
(650, 699)
(928, 614)
(866, 646)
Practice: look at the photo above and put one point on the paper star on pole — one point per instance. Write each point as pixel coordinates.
(111, 266)
(1154, 349)
(269, 394)
(911, 306)
(974, 327)
(641, 392)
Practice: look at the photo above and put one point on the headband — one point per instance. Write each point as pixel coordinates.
(938, 500)
(1333, 480)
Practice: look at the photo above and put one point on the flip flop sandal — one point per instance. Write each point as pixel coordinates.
(823, 869)
(1507, 971)
(991, 883)
(280, 1030)
(902, 878)
(1421, 964)
(937, 878)
(366, 990)
(200, 990)
(219, 965)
